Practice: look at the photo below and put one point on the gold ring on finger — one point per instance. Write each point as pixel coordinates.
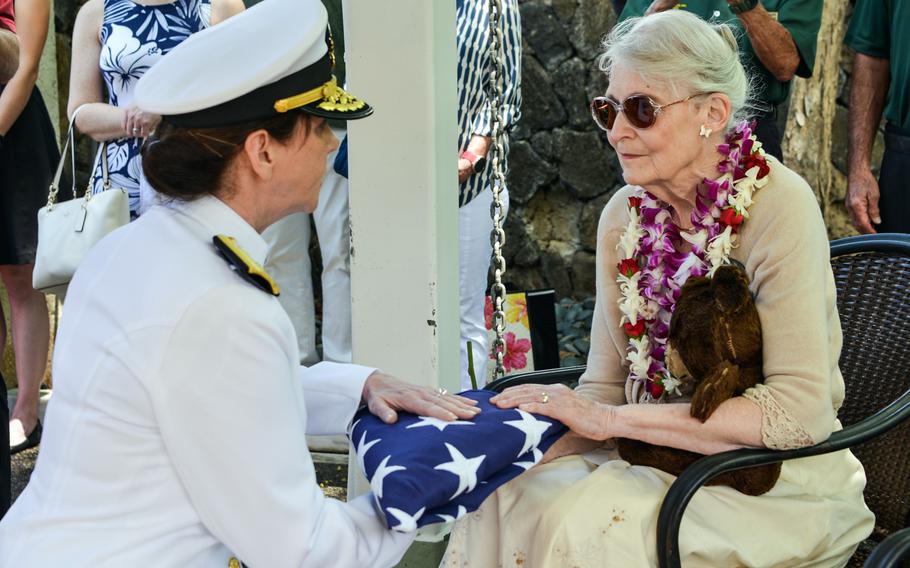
(544, 397)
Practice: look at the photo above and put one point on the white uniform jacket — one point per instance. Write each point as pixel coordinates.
(176, 433)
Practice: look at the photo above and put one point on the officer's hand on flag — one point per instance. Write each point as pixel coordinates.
(385, 395)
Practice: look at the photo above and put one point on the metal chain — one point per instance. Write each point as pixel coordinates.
(496, 158)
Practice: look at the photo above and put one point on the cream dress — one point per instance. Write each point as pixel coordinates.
(596, 510)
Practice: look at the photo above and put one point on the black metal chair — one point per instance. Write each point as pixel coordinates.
(565, 375)
(893, 552)
(872, 276)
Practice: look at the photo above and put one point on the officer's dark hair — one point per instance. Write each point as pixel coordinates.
(189, 163)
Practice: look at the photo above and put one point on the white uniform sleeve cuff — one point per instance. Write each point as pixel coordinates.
(332, 392)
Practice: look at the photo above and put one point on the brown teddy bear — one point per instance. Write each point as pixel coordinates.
(715, 350)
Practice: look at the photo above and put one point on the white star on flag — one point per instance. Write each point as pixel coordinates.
(381, 472)
(533, 430)
(464, 468)
(450, 518)
(440, 424)
(406, 522)
(363, 448)
(538, 455)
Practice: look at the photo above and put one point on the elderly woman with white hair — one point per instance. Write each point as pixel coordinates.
(700, 192)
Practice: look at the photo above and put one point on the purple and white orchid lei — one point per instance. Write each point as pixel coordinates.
(654, 266)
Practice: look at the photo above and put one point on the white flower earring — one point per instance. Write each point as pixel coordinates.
(705, 131)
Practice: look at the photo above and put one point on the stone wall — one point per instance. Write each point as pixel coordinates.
(562, 171)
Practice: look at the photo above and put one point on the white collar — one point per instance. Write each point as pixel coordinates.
(218, 218)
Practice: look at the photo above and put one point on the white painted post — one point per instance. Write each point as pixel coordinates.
(401, 58)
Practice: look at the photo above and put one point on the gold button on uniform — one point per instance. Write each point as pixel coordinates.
(233, 563)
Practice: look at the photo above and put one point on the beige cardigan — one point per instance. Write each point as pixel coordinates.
(784, 247)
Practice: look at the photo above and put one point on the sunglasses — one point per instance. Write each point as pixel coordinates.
(641, 111)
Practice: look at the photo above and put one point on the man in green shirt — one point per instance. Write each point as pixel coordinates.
(880, 34)
(776, 40)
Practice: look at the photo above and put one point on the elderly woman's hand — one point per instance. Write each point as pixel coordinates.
(385, 395)
(583, 416)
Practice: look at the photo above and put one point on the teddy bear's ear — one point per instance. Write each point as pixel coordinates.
(731, 288)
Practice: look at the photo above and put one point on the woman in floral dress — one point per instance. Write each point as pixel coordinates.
(114, 43)
(700, 192)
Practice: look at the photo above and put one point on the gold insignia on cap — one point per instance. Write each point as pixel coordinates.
(244, 265)
(333, 98)
(233, 562)
(337, 99)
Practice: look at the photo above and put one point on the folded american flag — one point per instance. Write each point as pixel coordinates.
(424, 470)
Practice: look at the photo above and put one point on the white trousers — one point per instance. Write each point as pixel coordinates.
(474, 253)
(289, 265)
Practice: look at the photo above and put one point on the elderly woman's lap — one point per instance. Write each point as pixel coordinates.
(573, 513)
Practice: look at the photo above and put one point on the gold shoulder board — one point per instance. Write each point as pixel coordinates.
(246, 267)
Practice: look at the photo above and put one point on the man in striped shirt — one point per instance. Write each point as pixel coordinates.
(474, 171)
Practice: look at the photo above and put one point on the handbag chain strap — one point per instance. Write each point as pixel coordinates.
(70, 144)
(498, 183)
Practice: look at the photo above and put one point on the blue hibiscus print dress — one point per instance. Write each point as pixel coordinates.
(133, 38)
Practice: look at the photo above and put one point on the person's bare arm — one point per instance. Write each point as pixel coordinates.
(9, 55)
(224, 9)
(871, 79)
(773, 44)
(736, 423)
(99, 120)
(660, 6)
(32, 18)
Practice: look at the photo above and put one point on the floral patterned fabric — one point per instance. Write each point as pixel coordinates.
(133, 38)
(518, 357)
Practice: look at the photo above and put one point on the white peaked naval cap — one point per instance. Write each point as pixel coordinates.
(270, 59)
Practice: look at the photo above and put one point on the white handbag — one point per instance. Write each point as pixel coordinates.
(66, 231)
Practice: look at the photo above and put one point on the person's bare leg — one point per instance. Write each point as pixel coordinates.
(9, 55)
(31, 335)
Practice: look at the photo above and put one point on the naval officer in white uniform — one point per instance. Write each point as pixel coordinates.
(175, 436)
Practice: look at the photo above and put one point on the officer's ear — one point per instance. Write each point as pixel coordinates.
(259, 150)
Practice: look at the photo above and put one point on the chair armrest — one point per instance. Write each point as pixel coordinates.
(564, 375)
(891, 551)
(708, 467)
(878, 242)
